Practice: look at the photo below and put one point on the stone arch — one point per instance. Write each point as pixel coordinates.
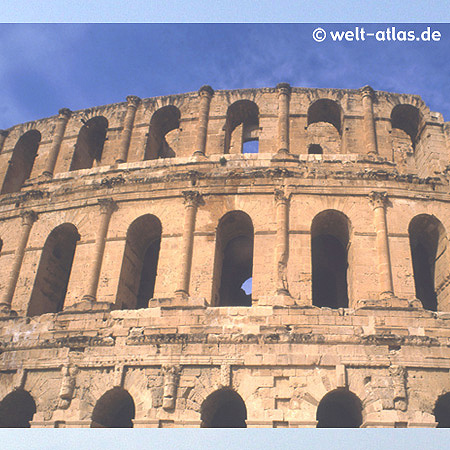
(114, 409)
(339, 408)
(140, 262)
(90, 142)
(405, 121)
(241, 127)
(21, 162)
(17, 409)
(330, 237)
(224, 408)
(233, 262)
(429, 254)
(327, 111)
(160, 140)
(324, 127)
(52, 277)
(441, 411)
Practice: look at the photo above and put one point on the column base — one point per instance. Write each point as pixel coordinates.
(199, 155)
(389, 302)
(89, 304)
(281, 298)
(6, 312)
(47, 175)
(284, 155)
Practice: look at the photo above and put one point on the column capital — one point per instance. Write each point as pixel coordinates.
(206, 91)
(4, 133)
(281, 196)
(193, 198)
(107, 205)
(65, 113)
(29, 217)
(284, 88)
(133, 101)
(367, 91)
(378, 199)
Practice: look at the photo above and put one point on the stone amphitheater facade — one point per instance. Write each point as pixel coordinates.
(129, 233)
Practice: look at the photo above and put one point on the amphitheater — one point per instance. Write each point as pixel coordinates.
(273, 257)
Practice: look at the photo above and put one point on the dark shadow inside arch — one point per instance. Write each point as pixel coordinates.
(21, 163)
(442, 411)
(406, 118)
(242, 127)
(90, 142)
(339, 409)
(114, 409)
(140, 263)
(428, 244)
(223, 408)
(329, 242)
(233, 260)
(52, 277)
(163, 121)
(325, 110)
(17, 409)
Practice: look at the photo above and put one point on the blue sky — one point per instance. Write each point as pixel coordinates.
(44, 67)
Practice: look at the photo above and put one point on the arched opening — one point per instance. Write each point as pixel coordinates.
(114, 409)
(52, 277)
(163, 133)
(21, 162)
(405, 121)
(324, 127)
(233, 263)
(140, 263)
(17, 409)
(223, 408)
(442, 411)
(428, 242)
(339, 409)
(90, 142)
(315, 149)
(327, 111)
(329, 244)
(242, 127)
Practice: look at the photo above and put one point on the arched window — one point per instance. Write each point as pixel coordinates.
(21, 162)
(162, 134)
(114, 409)
(428, 241)
(89, 146)
(442, 411)
(339, 409)
(242, 127)
(327, 111)
(17, 409)
(405, 121)
(140, 263)
(324, 127)
(223, 408)
(233, 263)
(329, 243)
(52, 277)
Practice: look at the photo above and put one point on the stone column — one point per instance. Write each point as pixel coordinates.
(205, 93)
(64, 116)
(282, 242)
(369, 122)
(28, 218)
(133, 103)
(3, 136)
(107, 207)
(191, 201)
(379, 200)
(284, 96)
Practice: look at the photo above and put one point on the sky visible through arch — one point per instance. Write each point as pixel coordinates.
(45, 67)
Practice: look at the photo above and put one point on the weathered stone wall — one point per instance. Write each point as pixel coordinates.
(283, 354)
